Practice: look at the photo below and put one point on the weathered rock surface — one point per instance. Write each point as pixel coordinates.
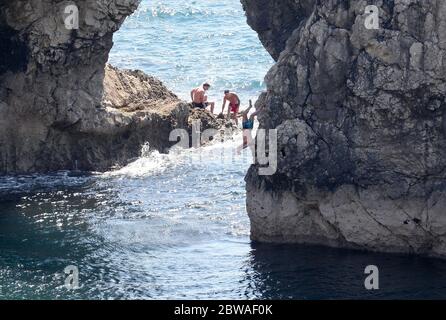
(361, 125)
(60, 106)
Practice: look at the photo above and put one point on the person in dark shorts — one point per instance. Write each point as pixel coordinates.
(202, 105)
(234, 104)
(199, 97)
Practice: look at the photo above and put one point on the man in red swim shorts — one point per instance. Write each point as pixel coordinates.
(234, 104)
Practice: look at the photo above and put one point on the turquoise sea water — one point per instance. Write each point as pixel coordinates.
(185, 43)
(175, 226)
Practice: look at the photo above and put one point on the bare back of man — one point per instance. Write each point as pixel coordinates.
(199, 98)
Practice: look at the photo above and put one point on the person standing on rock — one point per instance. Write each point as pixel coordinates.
(234, 105)
(200, 99)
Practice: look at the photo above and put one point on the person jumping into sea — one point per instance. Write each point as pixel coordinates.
(200, 99)
(248, 126)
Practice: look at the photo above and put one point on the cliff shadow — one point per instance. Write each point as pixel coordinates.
(312, 272)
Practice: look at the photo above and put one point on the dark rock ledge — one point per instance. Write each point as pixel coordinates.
(61, 107)
(361, 120)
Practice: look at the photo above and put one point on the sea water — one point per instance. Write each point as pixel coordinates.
(186, 43)
(174, 226)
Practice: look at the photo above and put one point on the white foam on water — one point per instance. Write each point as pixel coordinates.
(152, 162)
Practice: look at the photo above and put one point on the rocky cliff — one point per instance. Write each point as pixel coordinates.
(60, 106)
(361, 123)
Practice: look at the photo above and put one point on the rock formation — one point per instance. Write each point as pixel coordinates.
(361, 120)
(60, 106)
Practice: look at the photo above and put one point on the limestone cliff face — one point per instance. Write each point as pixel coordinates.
(61, 108)
(361, 125)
